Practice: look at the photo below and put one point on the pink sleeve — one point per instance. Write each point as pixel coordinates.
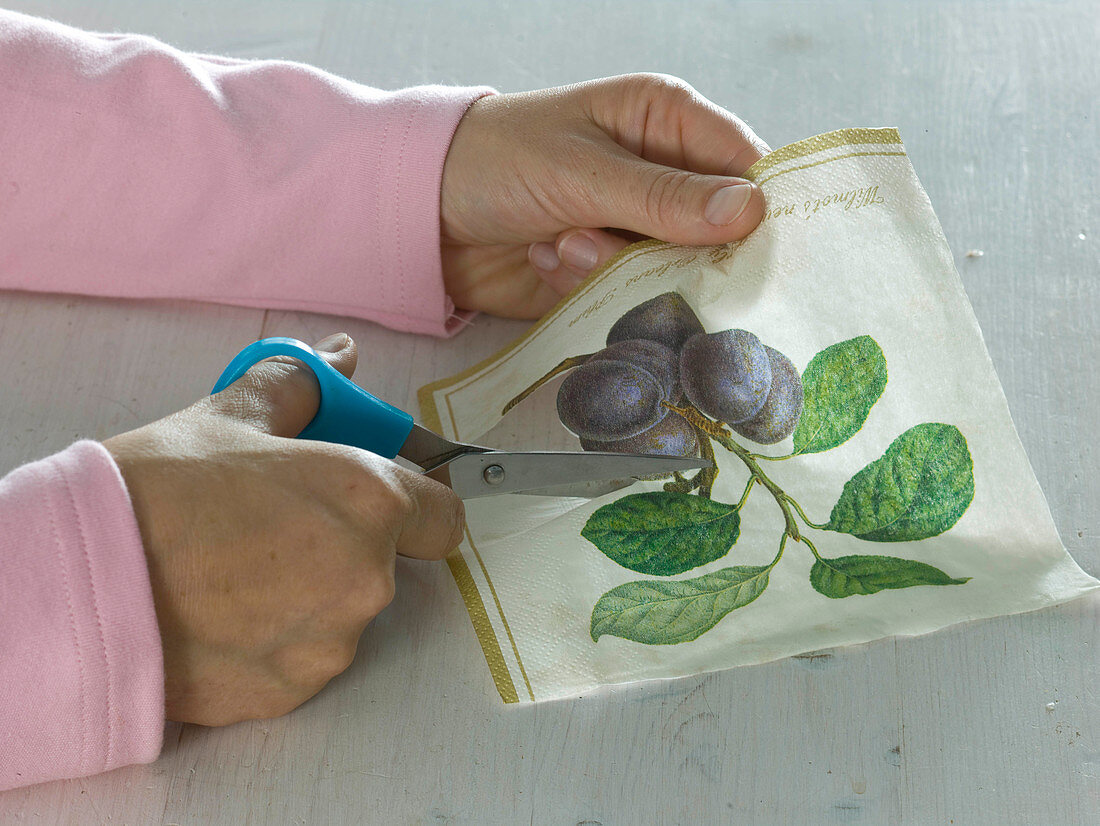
(81, 677)
(129, 168)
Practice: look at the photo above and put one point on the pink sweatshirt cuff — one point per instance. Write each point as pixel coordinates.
(81, 672)
(399, 204)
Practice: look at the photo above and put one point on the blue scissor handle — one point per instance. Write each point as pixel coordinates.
(348, 414)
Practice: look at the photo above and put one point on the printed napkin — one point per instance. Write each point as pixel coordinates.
(868, 478)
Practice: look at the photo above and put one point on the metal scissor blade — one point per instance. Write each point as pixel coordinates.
(582, 490)
(428, 449)
(497, 472)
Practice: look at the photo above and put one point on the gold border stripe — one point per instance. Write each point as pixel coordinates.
(484, 630)
(830, 160)
(830, 140)
(429, 413)
(500, 610)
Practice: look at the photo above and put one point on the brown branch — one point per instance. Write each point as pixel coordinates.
(700, 422)
(567, 364)
(706, 475)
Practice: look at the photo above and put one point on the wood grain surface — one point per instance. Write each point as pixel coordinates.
(995, 722)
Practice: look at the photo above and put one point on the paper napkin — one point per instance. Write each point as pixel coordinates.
(870, 480)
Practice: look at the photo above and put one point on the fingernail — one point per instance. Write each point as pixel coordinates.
(543, 257)
(727, 203)
(578, 251)
(333, 344)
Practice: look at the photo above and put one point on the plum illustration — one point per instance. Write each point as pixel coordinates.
(727, 375)
(608, 400)
(672, 436)
(778, 418)
(655, 358)
(666, 319)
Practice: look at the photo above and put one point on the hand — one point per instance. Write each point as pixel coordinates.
(531, 180)
(268, 556)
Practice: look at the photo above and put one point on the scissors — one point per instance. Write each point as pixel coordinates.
(349, 415)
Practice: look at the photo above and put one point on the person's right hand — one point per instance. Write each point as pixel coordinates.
(268, 556)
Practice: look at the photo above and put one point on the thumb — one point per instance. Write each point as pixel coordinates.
(280, 395)
(676, 205)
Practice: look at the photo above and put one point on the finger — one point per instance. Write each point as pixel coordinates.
(496, 279)
(671, 204)
(434, 517)
(573, 256)
(279, 395)
(665, 121)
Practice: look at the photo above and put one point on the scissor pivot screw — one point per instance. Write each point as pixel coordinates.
(493, 475)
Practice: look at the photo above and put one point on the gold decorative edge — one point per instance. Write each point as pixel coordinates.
(429, 410)
(479, 617)
(475, 605)
(819, 143)
(500, 612)
(429, 413)
(877, 154)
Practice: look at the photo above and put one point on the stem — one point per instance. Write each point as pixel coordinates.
(773, 458)
(810, 545)
(681, 484)
(707, 475)
(705, 430)
(781, 498)
(716, 431)
(748, 490)
(566, 364)
(782, 545)
(699, 421)
(802, 513)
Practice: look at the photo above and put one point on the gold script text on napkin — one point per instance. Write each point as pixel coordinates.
(851, 200)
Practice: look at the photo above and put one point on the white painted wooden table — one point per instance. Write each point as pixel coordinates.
(997, 105)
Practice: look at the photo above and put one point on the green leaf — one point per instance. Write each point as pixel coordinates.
(663, 533)
(840, 385)
(920, 487)
(848, 575)
(665, 612)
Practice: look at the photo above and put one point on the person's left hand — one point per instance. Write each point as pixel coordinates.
(533, 180)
